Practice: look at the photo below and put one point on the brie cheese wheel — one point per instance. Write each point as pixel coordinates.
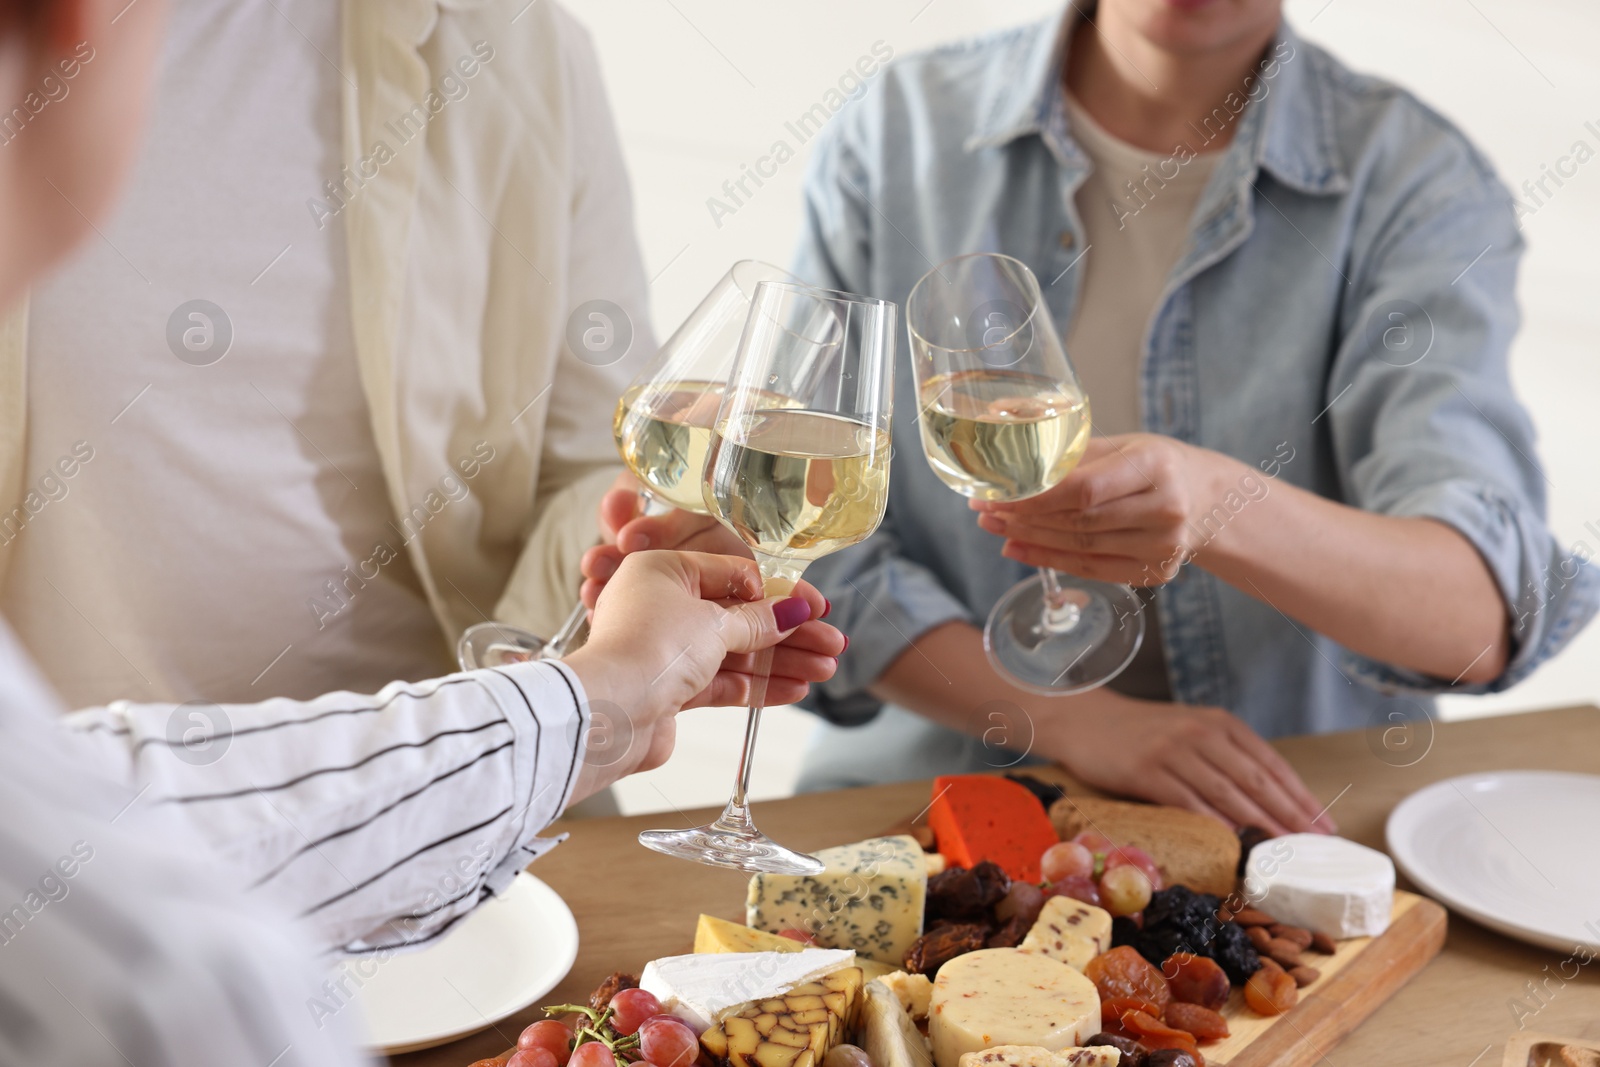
(1322, 883)
(704, 989)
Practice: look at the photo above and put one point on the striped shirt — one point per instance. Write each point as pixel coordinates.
(176, 881)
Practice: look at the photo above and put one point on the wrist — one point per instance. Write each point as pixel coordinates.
(620, 711)
(1068, 728)
(1222, 490)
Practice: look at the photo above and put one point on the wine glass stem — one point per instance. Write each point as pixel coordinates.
(1062, 608)
(736, 816)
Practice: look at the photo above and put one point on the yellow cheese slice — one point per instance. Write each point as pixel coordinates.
(1004, 996)
(1070, 931)
(719, 935)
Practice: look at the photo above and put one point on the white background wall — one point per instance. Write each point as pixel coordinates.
(701, 87)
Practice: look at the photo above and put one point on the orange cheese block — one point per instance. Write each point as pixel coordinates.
(975, 817)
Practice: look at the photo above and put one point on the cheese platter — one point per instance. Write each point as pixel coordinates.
(1010, 926)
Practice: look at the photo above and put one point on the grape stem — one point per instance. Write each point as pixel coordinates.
(596, 1030)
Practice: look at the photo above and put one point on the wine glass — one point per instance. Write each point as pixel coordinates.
(798, 468)
(1003, 418)
(662, 428)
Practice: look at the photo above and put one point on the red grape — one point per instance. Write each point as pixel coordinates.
(1133, 856)
(592, 1054)
(531, 1057)
(1125, 890)
(1094, 841)
(668, 1041)
(1065, 859)
(551, 1035)
(633, 1006)
(1077, 887)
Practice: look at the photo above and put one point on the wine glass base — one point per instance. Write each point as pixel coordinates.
(1095, 650)
(742, 850)
(495, 644)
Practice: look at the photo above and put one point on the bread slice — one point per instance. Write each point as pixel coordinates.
(1191, 849)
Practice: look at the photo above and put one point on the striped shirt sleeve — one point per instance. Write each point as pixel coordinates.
(379, 821)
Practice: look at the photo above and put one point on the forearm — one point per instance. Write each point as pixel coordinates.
(946, 677)
(1408, 591)
(378, 819)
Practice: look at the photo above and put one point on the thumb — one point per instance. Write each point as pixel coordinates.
(753, 627)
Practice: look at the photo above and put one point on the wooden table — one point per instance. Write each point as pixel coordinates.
(633, 905)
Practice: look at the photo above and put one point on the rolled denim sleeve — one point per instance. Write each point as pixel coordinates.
(1425, 423)
(881, 599)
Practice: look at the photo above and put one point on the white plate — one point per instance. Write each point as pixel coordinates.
(510, 952)
(1513, 850)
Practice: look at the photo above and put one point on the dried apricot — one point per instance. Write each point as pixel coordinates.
(1270, 991)
(1203, 1023)
(1112, 1010)
(1122, 972)
(1155, 1034)
(1196, 980)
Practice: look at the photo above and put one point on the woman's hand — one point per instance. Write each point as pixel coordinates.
(1134, 510)
(675, 630)
(628, 532)
(1199, 758)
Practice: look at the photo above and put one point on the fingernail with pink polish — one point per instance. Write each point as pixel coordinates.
(827, 607)
(791, 612)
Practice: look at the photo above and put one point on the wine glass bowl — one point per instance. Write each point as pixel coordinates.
(1002, 417)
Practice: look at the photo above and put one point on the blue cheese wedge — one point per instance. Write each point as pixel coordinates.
(1033, 1056)
(1070, 931)
(1004, 996)
(869, 898)
(704, 989)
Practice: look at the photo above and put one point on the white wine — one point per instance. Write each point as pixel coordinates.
(798, 484)
(663, 431)
(1002, 435)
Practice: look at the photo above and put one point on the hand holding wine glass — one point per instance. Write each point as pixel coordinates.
(1003, 418)
(662, 428)
(798, 467)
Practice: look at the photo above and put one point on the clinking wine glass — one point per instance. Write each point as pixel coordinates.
(1003, 418)
(798, 467)
(662, 428)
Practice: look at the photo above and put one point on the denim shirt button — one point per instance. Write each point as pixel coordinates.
(1068, 239)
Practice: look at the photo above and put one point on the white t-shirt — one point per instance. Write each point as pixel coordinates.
(1135, 227)
(186, 558)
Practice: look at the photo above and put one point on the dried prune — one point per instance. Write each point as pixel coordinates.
(942, 944)
(960, 893)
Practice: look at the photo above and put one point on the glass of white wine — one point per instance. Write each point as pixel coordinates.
(1003, 418)
(798, 468)
(662, 428)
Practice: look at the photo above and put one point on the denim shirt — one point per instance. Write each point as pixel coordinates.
(1339, 319)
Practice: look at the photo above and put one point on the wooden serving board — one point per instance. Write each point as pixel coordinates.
(1364, 973)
